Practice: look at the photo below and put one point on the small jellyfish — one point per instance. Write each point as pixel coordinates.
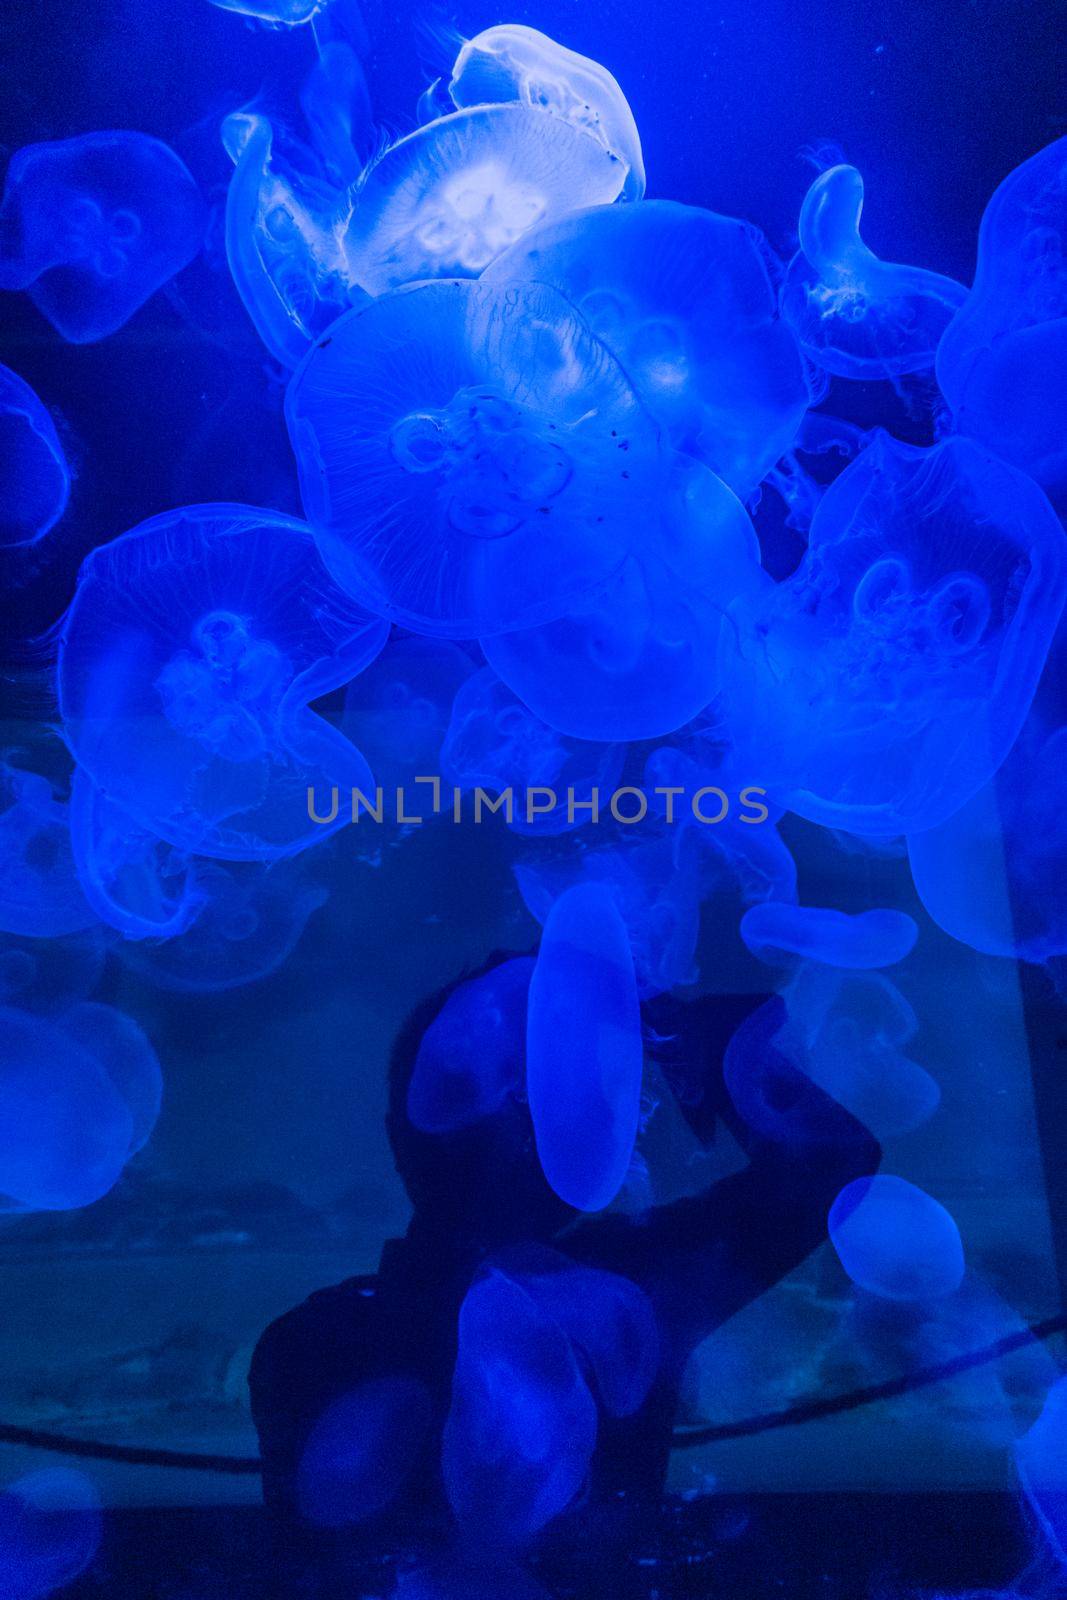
(471, 459)
(188, 662)
(93, 226)
(34, 475)
(583, 1048)
(51, 1525)
(895, 1240)
(362, 1451)
(683, 299)
(522, 1426)
(857, 316)
(134, 882)
(1041, 1461)
(473, 1055)
(777, 930)
(512, 63)
(1001, 361)
(397, 712)
(448, 199)
(39, 890)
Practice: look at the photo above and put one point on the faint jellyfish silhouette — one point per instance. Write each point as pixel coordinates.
(775, 931)
(362, 1451)
(128, 1057)
(39, 890)
(48, 975)
(895, 1240)
(51, 1524)
(1041, 1461)
(473, 1055)
(134, 881)
(34, 475)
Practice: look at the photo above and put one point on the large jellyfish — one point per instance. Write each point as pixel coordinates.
(471, 458)
(1002, 358)
(775, 930)
(1041, 1460)
(93, 226)
(473, 1055)
(855, 315)
(134, 881)
(883, 683)
(34, 475)
(398, 711)
(583, 1048)
(187, 664)
(682, 297)
(895, 1240)
(522, 1426)
(512, 63)
(39, 890)
(362, 1450)
(51, 1524)
(448, 199)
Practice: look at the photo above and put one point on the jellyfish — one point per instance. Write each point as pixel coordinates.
(683, 299)
(188, 661)
(448, 199)
(39, 890)
(128, 1057)
(514, 64)
(895, 1240)
(1041, 1462)
(857, 316)
(34, 475)
(583, 1048)
(522, 1426)
(398, 710)
(883, 683)
(362, 1451)
(48, 975)
(774, 930)
(336, 104)
(471, 459)
(51, 1525)
(93, 226)
(1000, 363)
(496, 745)
(134, 881)
(473, 1055)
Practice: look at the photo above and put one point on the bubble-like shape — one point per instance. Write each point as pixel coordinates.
(51, 1525)
(39, 890)
(361, 1452)
(895, 1240)
(187, 664)
(134, 881)
(34, 475)
(1041, 1460)
(93, 226)
(473, 1054)
(861, 939)
(471, 458)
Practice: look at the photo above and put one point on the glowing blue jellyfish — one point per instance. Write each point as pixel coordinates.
(471, 459)
(336, 104)
(1002, 358)
(682, 297)
(855, 315)
(494, 743)
(864, 939)
(522, 1426)
(895, 1240)
(397, 712)
(134, 881)
(583, 1051)
(188, 661)
(362, 1451)
(34, 476)
(883, 683)
(48, 975)
(51, 1524)
(93, 226)
(1041, 1460)
(448, 199)
(125, 1052)
(39, 890)
(511, 63)
(472, 1057)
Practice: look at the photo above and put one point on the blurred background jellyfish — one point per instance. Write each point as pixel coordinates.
(1041, 1462)
(448, 199)
(362, 1451)
(775, 931)
(895, 1240)
(134, 881)
(471, 459)
(48, 975)
(128, 1057)
(1000, 363)
(188, 661)
(51, 1525)
(512, 63)
(857, 316)
(883, 683)
(682, 297)
(473, 1054)
(34, 475)
(39, 890)
(398, 711)
(93, 226)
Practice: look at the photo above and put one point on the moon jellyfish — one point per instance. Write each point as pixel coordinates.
(188, 661)
(1041, 1461)
(857, 316)
(34, 475)
(895, 1240)
(522, 1427)
(362, 1451)
(471, 458)
(1000, 364)
(51, 1525)
(496, 744)
(473, 1055)
(134, 881)
(883, 683)
(123, 1049)
(682, 298)
(39, 890)
(93, 226)
(398, 710)
(448, 199)
(48, 975)
(583, 1048)
(775, 930)
(511, 63)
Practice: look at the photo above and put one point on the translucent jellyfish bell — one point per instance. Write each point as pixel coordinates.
(448, 199)
(776, 930)
(895, 1240)
(473, 1055)
(471, 459)
(188, 662)
(51, 1525)
(1041, 1460)
(39, 890)
(34, 475)
(682, 297)
(514, 63)
(855, 315)
(93, 226)
(397, 712)
(362, 1450)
